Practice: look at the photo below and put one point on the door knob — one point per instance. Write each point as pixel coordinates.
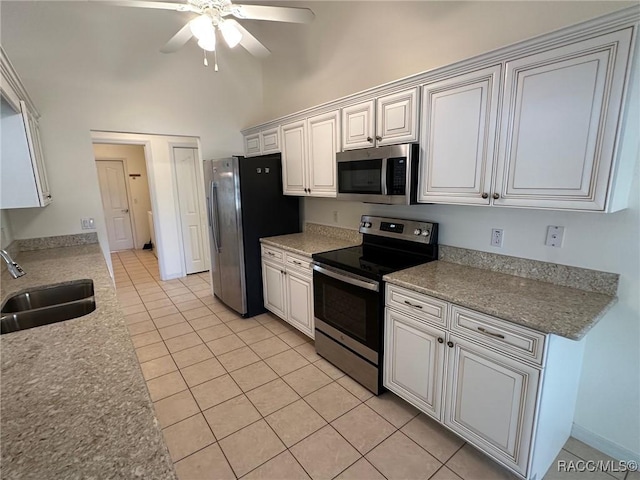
(369, 139)
(496, 196)
(378, 137)
(485, 195)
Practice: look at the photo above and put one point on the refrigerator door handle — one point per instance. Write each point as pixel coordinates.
(216, 219)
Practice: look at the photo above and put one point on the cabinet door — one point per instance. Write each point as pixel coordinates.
(274, 288)
(300, 301)
(37, 156)
(252, 145)
(323, 145)
(358, 125)
(397, 118)
(414, 361)
(490, 401)
(459, 120)
(560, 116)
(294, 158)
(270, 140)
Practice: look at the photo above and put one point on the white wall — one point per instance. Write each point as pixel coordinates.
(355, 45)
(90, 66)
(138, 187)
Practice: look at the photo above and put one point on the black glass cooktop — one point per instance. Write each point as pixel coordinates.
(373, 261)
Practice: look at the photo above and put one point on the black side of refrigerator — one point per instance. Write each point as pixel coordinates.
(265, 212)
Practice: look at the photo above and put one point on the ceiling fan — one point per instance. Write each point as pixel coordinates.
(212, 16)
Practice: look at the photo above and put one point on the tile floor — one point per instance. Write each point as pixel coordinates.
(250, 398)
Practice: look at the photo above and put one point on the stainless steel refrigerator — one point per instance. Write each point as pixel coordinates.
(245, 203)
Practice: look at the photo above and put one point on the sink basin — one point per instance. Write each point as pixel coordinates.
(46, 305)
(48, 295)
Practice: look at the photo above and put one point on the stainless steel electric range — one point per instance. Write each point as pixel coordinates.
(348, 292)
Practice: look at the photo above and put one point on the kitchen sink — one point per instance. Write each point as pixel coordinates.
(46, 305)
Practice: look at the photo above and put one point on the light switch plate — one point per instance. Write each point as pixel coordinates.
(555, 236)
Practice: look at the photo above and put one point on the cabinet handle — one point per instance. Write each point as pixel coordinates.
(440, 340)
(485, 195)
(48, 196)
(486, 332)
(369, 139)
(126, 210)
(308, 190)
(450, 344)
(412, 305)
(378, 137)
(297, 263)
(271, 253)
(496, 196)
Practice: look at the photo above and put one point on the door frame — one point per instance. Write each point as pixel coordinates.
(157, 145)
(125, 168)
(201, 195)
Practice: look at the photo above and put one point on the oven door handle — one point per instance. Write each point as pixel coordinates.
(362, 283)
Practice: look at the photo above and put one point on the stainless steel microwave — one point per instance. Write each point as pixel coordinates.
(378, 175)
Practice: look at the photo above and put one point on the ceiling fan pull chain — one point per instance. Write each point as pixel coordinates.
(215, 60)
(206, 62)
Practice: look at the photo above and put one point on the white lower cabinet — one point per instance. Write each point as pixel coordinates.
(491, 400)
(508, 390)
(273, 288)
(287, 282)
(414, 362)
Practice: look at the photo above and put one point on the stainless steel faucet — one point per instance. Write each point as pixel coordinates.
(14, 269)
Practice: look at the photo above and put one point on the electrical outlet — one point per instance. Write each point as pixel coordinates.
(87, 223)
(335, 216)
(496, 237)
(555, 235)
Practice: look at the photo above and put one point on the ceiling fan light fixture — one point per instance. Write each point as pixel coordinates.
(202, 27)
(231, 34)
(208, 44)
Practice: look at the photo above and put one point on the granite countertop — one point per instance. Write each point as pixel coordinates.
(307, 243)
(542, 306)
(74, 403)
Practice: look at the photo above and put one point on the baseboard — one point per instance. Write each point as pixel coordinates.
(605, 446)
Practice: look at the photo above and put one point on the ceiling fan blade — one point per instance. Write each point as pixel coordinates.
(275, 14)
(179, 7)
(178, 40)
(251, 43)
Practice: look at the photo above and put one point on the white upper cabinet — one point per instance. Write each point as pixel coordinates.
(358, 125)
(24, 181)
(323, 144)
(294, 158)
(388, 120)
(309, 155)
(263, 142)
(459, 120)
(560, 119)
(397, 118)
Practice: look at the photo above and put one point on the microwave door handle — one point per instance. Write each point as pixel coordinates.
(383, 177)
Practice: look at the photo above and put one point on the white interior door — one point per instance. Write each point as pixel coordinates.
(187, 179)
(116, 204)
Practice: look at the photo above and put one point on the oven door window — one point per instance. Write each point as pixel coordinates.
(360, 176)
(352, 310)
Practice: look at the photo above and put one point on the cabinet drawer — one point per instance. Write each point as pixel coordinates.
(272, 253)
(505, 336)
(424, 307)
(298, 262)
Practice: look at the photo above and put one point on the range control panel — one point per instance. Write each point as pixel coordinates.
(412, 230)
